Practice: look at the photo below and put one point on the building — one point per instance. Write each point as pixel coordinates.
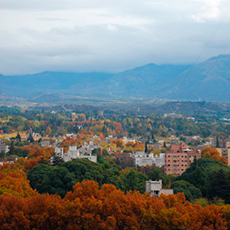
(179, 159)
(71, 135)
(172, 115)
(126, 140)
(74, 153)
(3, 147)
(159, 161)
(155, 188)
(45, 144)
(219, 142)
(142, 158)
(225, 152)
(33, 134)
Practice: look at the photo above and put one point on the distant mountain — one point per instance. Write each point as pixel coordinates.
(208, 81)
(191, 108)
(49, 82)
(146, 81)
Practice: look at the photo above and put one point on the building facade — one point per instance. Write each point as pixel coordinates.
(74, 153)
(154, 188)
(179, 159)
(225, 152)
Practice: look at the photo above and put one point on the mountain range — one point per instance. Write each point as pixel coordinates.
(209, 81)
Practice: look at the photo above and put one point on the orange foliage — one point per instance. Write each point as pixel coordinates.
(14, 182)
(26, 165)
(89, 207)
(47, 153)
(119, 143)
(69, 141)
(102, 137)
(36, 156)
(212, 153)
(133, 147)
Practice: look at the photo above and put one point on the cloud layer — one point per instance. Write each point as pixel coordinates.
(109, 36)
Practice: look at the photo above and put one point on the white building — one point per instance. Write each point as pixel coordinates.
(75, 153)
(126, 140)
(142, 158)
(3, 147)
(155, 188)
(159, 161)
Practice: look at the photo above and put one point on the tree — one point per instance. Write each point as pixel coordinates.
(217, 142)
(48, 131)
(30, 138)
(146, 147)
(11, 148)
(211, 177)
(213, 153)
(2, 154)
(57, 160)
(133, 180)
(189, 190)
(18, 137)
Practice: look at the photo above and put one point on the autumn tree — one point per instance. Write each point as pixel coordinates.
(212, 153)
(48, 131)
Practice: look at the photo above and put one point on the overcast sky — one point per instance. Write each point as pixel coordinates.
(112, 36)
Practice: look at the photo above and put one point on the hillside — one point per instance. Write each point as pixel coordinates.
(207, 81)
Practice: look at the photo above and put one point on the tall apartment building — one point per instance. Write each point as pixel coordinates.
(179, 159)
(225, 152)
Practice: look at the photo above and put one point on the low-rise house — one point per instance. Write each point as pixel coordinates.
(45, 144)
(71, 135)
(3, 147)
(126, 140)
(154, 188)
(172, 115)
(156, 146)
(33, 134)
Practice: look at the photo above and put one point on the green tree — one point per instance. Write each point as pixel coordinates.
(30, 138)
(18, 137)
(133, 180)
(189, 190)
(57, 160)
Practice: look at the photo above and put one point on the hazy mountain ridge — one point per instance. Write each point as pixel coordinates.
(206, 81)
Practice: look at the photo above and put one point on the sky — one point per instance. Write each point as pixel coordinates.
(109, 36)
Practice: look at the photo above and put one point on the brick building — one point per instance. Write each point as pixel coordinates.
(179, 159)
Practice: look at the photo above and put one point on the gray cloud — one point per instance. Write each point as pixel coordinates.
(109, 36)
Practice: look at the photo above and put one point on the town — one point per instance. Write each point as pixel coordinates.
(172, 154)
